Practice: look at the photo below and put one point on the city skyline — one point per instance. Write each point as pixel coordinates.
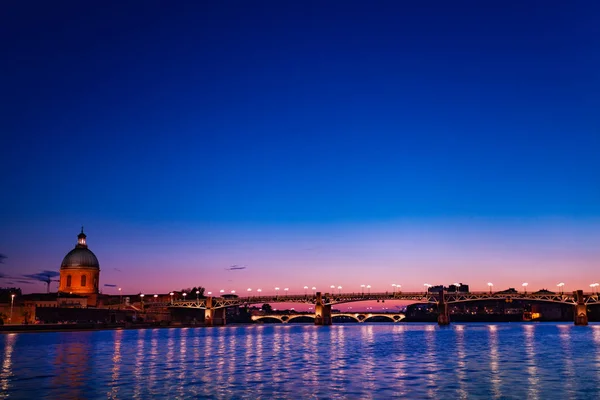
(314, 144)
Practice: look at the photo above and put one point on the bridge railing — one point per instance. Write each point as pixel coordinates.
(425, 297)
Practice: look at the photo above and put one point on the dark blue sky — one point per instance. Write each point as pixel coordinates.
(299, 111)
(456, 137)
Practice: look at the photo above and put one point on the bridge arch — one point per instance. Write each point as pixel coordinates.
(353, 316)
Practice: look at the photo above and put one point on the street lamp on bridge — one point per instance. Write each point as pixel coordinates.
(339, 290)
(286, 290)
(305, 290)
(491, 285)
(427, 286)
(332, 287)
(184, 294)
(363, 289)
(393, 288)
(525, 286)
(142, 300)
(561, 285)
(198, 296)
(170, 294)
(276, 291)
(595, 286)
(259, 290)
(369, 288)
(314, 289)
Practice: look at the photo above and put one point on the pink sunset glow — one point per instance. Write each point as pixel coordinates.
(408, 253)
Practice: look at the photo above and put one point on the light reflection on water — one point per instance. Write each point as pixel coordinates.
(499, 361)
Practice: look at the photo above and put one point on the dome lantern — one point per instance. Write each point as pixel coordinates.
(81, 243)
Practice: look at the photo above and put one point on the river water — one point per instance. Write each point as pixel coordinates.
(356, 361)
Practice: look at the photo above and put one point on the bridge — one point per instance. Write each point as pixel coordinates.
(358, 317)
(215, 306)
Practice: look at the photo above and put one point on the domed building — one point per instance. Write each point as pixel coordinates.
(80, 270)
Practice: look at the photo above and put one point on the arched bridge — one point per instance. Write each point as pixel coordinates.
(215, 306)
(358, 317)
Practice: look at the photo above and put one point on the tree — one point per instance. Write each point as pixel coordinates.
(198, 289)
(267, 308)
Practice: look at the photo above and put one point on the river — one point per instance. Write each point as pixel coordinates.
(356, 361)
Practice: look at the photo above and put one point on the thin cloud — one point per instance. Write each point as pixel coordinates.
(235, 267)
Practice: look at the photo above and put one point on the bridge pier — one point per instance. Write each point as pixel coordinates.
(443, 315)
(322, 311)
(213, 316)
(580, 309)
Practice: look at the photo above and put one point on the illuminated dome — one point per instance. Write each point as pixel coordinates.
(80, 256)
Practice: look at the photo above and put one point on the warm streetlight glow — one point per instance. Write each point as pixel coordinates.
(197, 292)
(209, 293)
(141, 295)
(525, 286)
(490, 284)
(259, 290)
(249, 289)
(339, 290)
(305, 289)
(222, 291)
(233, 291)
(184, 294)
(155, 296)
(12, 302)
(369, 288)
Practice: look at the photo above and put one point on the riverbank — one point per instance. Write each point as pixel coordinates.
(81, 327)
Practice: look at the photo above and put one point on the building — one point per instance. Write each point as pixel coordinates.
(80, 271)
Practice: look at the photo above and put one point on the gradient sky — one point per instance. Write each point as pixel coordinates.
(316, 143)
